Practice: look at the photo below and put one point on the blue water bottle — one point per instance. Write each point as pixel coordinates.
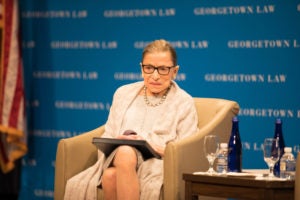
(279, 136)
(235, 148)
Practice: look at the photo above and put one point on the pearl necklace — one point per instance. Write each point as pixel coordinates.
(163, 98)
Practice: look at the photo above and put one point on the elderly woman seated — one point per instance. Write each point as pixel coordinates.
(158, 111)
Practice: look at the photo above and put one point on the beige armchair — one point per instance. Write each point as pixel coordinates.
(78, 153)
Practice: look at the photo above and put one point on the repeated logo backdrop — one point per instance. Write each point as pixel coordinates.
(76, 53)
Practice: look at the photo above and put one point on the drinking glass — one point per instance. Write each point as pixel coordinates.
(271, 154)
(211, 147)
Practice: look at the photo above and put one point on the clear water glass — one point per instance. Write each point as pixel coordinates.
(271, 154)
(211, 148)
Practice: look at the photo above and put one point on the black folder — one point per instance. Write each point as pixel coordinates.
(107, 145)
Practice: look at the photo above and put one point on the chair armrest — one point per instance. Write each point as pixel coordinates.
(74, 155)
(187, 156)
(297, 178)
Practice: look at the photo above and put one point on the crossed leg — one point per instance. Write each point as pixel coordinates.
(120, 182)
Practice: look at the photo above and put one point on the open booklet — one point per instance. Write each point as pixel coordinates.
(107, 145)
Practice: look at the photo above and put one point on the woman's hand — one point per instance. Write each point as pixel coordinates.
(160, 150)
(130, 137)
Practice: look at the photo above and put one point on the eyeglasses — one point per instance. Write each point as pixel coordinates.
(162, 70)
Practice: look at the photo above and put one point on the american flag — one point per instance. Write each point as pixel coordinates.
(12, 115)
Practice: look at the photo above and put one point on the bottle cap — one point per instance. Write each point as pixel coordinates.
(235, 119)
(287, 149)
(223, 145)
(278, 121)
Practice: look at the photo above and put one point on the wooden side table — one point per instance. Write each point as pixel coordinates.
(246, 187)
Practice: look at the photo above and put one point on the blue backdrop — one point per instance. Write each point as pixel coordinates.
(76, 53)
